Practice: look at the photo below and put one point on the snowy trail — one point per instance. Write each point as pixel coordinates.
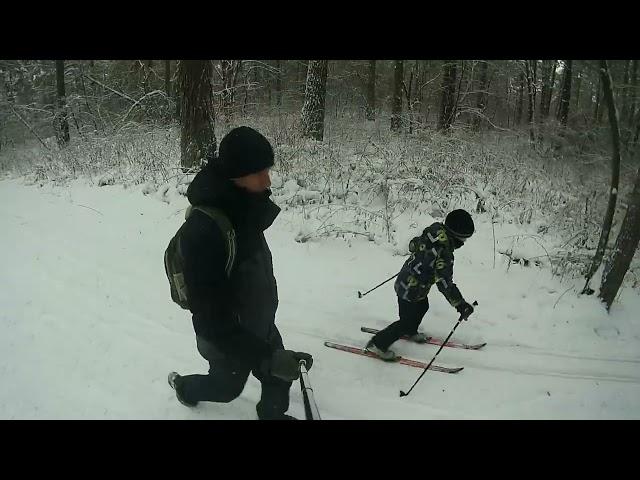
(87, 328)
(528, 350)
(518, 363)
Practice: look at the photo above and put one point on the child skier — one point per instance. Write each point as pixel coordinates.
(431, 261)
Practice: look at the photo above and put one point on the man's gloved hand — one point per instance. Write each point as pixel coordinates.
(284, 364)
(465, 309)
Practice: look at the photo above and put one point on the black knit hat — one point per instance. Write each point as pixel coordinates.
(460, 223)
(244, 151)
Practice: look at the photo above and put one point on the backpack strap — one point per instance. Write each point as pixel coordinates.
(225, 226)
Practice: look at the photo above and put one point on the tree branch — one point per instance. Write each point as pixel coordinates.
(28, 126)
(120, 94)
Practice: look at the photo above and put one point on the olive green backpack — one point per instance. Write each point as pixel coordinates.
(174, 260)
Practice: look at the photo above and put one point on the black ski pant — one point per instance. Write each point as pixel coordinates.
(411, 314)
(226, 381)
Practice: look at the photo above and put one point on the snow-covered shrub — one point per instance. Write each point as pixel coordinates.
(364, 182)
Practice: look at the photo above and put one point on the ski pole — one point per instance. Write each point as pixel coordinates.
(360, 295)
(311, 411)
(462, 317)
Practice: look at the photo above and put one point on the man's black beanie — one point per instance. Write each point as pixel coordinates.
(244, 151)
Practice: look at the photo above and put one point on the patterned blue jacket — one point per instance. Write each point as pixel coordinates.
(431, 261)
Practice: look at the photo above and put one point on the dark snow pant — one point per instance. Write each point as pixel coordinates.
(226, 381)
(411, 314)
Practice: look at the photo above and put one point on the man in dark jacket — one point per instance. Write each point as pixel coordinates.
(431, 262)
(234, 316)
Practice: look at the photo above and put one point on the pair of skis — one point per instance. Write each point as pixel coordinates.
(408, 361)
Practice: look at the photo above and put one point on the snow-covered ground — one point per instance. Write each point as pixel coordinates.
(88, 329)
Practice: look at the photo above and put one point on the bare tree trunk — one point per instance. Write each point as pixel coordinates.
(236, 73)
(313, 110)
(447, 102)
(247, 83)
(625, 248)
(532, 102)
(408, 92)
(256, 96)
(396, 105)
(629, 108)
(304, 64)
(420, 89)
(518, 119)
(622, 99)
(601, 109)
(371, 91)
(75, 122)
(596, 113)
(167, 85)
(546, 89)
(458, 91)
(177, 92)
(634, 93)
(578, 86)
(563, 116)
(198, 138)
(415, 95)
(268, 82)
(615, 173)
(552, 86)
(482, 95)
(167, 78)
(507, 96)
(61, 123)
(278, 83)
(147, 65)
(540, 85)
(546, 76)
(134, 79)
(86, 99)
(229, 70)
(534, 79)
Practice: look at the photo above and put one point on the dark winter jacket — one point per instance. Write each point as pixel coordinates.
(431, 261)
(235, 314)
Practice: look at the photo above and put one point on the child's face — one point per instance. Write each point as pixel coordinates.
(457, 243)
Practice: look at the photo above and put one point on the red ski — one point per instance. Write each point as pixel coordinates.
(402, 360)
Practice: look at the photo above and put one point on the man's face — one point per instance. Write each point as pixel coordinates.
(256, 182)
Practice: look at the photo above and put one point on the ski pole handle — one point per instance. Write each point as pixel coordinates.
(303, 366)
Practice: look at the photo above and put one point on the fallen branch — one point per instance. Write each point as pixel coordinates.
(29, 127)
(89, 208)
(570, 288)
(120, 94)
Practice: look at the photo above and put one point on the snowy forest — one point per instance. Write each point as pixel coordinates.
(96, 157)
